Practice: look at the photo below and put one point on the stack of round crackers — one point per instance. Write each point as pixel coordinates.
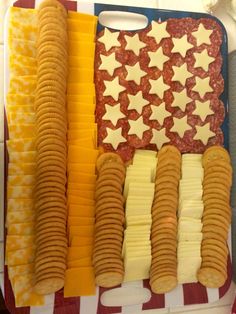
(163, 272)
(109, 221)
(216, 216)
(51, 128)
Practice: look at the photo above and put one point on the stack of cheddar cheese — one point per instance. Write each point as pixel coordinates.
(190, 214)
(139, 193)
(82, 154)
(20, 247)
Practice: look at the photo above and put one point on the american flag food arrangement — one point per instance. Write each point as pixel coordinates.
(117, 170)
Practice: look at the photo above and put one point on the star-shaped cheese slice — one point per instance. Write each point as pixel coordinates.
(134, 44)
(181, 45)
(109, 63)
(134, 73)
(159, 113)
(203, 133)
(109, 39)
(137, 102)
(158, 87)
(114, 137)
(181, 74)
(113, 113)
(113, 88)
(159, 138)
(158, 31)
(203, 109)
(181, 99)
(202, 86)
(180, 126)
(202, 35)
(202, 60)
(137, 127)
(157, 58)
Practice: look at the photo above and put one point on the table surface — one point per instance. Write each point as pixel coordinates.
(222, 306)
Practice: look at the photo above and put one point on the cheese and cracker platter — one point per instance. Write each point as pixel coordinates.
(117, 169)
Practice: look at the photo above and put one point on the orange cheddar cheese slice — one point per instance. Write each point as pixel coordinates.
(81, 89)
(81, 210)
(16, 242)
(79, 282)
(78, 252)
(20, 109)
(23, 47)
(23, 84)
(22, 256)
(80, 75)
(77, 200)
(80, 221)
(22, 31)
(20, 191)
(19, 204)
(81, 231)
(14, 217)
(81, 98)
(21, 168)
(85, 142)
(19, 70)
(24, 292)
(83, 26)
(21, 130)
(82, 16)
(21, 118)
(26, 228)
(81, 241)
(80, 108)
(85, 194)
(82, 126)
(84, 168)
(81, 118)
(23, 16)
(78, 177)
(20, 270)
(77, 61)
(81, 134)
(21, 145)
(82, 262)
(78, 36)
(15, 99)
(81, 186)
(82, 155)
(23, 61)
(81, 48)
(24, 157)
(19, 180)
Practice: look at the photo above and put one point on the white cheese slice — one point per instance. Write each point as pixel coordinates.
(181, 45)
(181, 99)
(114, 137)
(202, 109)
(109, 39)
(109, 63)
(159, 138)
(134, 73)
(113, 88)
(203, 133)
(202, 60)
(137, 102)
(157, 58)
(113, 113)
(202, 86)
(137, 127)
(159, 113)
(158, 87)
(134, 44)
(181, 74)
(158, 31)
(180, 126)
(202, 35)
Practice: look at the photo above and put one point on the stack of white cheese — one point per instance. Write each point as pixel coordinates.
(139, 193)
(190, 214)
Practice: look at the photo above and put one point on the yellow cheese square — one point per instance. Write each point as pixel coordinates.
(21, 145)
(21, 168)
(82, 16)
(80, 75)
(84, 284)
(19, 109)
(84, 194)
(22, 256)
(82, 155)
(15, 99)
(24, 157)
(81, 98)
(81, 241)
(81, 48)
(21, 131)
(20, 70)
(22, 31)
(88, 142)
(20, 270)
(78, 252)
(20, 191)
(80, 221)
(81, 210)
(80, 62)
(19, 204)
(75, 36)
(23, 61)
(78, 200)
(82, 262)
(19, 180)
(23, 84)
(81, 231)
(80, 177)
(80, 108)
(82, 118)
(14, 217)
(84, 168)
(83, 26)
(23, 47)
(21, 118)
(17, 242)
(82, 134)
(26, 228)
(80, 89)
(23, 16)
(82, 126)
